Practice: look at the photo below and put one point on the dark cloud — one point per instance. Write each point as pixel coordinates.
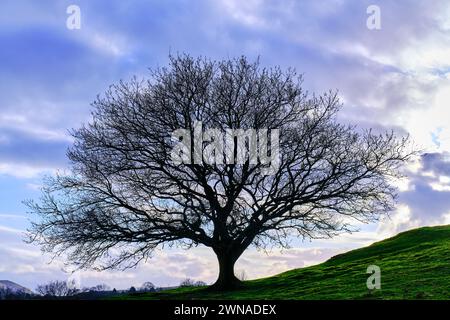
(437, 163)
(426, 203)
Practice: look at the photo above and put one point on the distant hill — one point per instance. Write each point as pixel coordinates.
(414, 265)
(14, 287)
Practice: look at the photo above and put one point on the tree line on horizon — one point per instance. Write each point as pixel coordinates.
(62, 289)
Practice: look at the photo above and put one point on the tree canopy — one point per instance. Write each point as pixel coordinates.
(124, 195)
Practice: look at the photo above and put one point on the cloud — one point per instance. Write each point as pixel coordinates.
(436, 163)
(10, 230)
(19, 147)
(399, 221)
(428, 195)
(27, 151)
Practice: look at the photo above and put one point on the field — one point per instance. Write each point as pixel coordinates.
(414, 265)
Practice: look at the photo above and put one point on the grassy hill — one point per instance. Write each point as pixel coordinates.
(414, 265)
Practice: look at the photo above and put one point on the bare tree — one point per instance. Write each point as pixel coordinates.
(200, 283)
(98, 288)
(132, 290)
(147, 287)
(124, 190)
(187, 283)
(58, 289)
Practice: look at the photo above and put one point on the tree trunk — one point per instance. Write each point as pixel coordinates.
(226, 280)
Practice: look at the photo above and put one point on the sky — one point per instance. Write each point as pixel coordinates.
(393, 77)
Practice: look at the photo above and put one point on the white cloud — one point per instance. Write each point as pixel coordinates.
(107, 43)
(11, 230)
(24, 170)
(399, 221)
(11, 216)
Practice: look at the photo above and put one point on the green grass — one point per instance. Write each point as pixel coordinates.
(414, 265)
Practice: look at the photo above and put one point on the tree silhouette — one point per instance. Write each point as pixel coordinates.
(147, 287)
(125, 195)
(58, 289)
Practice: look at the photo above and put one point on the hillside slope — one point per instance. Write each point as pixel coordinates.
(13, 287)
(414, 265)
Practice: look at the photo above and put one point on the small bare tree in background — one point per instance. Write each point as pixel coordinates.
(147, 287)
(192, 283)
(98, 288)
(125, 196)
(58, 288)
